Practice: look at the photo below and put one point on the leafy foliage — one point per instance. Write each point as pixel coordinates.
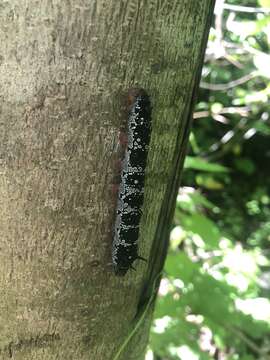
(214, 298)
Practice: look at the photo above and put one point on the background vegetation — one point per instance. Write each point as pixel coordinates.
(214, 299)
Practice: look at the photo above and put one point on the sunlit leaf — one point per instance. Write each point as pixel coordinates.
(261, 61)
(209, 182)
(264, 3)
(204, 227)
(180, 266)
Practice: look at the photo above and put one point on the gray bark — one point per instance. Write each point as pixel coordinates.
(64, 66)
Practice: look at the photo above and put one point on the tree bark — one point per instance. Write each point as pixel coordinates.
(64, 67)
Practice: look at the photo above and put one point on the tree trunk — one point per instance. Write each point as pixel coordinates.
(64, 68)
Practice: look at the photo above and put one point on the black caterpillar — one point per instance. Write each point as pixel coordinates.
(131, 189)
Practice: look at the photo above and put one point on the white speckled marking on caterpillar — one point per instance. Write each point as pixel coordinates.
(131, 189)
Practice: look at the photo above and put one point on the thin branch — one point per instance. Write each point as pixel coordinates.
(246, 9)
(216, 116)
(229, 85)
(241, 110)
(234, 62)
(218, 21)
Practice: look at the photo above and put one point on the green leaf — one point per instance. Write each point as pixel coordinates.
(208, 182)
(193, 143)
(198, 163)
(204, 227)
(262, 127)
(180, 266)
(199, 199)
(245, 165)
(167, 306)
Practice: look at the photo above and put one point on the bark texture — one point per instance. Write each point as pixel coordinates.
(64, 66)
